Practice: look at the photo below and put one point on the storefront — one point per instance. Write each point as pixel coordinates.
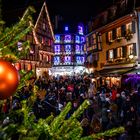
(68, 70)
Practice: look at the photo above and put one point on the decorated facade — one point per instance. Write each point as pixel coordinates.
(41, 38)
(69, 55)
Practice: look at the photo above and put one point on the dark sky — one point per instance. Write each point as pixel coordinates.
(71, 10)
(77, 10)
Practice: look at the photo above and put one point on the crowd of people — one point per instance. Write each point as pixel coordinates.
(109, 106)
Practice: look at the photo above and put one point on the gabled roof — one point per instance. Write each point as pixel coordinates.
(48, 18)
(12, 11)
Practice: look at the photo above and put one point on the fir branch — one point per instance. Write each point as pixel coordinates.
(58, 121)
(108, 133)
(80, 110)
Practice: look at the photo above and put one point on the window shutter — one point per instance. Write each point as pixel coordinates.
(115, 53)
(134, 49)
(133, 27)
(124, 51)
(123, 30)
(114, 34)
(107, 38)
(106, 55)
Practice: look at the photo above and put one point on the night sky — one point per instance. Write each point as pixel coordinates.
(77, 10)
(71, 10)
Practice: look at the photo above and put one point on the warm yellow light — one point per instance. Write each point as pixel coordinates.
(131, 56)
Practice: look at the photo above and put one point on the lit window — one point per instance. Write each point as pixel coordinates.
(80, 59)
(67, 39)
(130, 50)
(119, 52)
(129, 27)
(29, 67)
(82, 39)
(110, 36)
(77, 39)
(111, 55)
(67, 59)
(57, 38)
(66, 28)
(56, 60)
(57, 49)
(118, 32)
(44, 26)
(68, 48)
(80, 30)
(77, 48)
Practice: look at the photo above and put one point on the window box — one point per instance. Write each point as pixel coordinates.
(119, 38)
(110, 42)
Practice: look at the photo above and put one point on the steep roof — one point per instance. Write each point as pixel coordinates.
(12, 11)
(44, 7)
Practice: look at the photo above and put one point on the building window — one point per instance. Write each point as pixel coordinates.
(94, 41)
(130, 50)
(111, 55)
(77, 49)
(56, 60)
(67, 39)
(82, 39)
(77, 39)
(57, 49)
(68, 48)
(67, 59)
(110, 36)
(44, 26)
(57, 38)
(43, 40)
(80, 59)
(29, 67)
(128, 27)
(118, 32)
(119, 52)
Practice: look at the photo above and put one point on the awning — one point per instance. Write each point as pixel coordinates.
(114, 72)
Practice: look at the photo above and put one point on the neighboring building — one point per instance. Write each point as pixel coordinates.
(41, 39)
(115, 45)
(69, 55)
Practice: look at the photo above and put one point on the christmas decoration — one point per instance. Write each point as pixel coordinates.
(9, 79)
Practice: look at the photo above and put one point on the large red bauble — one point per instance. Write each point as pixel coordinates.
(9, 79)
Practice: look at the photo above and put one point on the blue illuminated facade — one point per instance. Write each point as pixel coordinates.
(69, 48)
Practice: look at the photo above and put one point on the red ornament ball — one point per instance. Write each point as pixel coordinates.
(9, 79)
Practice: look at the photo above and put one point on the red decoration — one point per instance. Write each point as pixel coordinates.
(9, 79)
